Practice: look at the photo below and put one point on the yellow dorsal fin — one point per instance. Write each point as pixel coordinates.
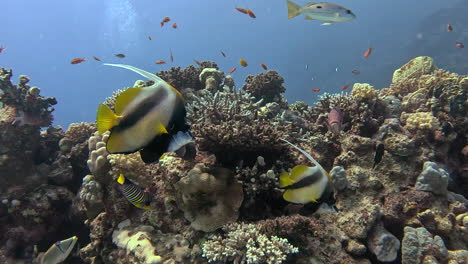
(309, 18)
(162, 156)
(298, 172)
(105, 119)
(121, 179)
(176, 91)
(285, 180)
(124, 98)
(160, 129)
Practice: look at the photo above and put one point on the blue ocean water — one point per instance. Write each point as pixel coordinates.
(42, 37)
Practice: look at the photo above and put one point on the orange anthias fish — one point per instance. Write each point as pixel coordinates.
(77, 60)
(197, 62)
(264, 66)
(250, 13)
(345, 87)
(232, 70)
(171, 57)
(165, 20)
(243, 63)
(174, 25)
(96, 58)
(367, 53)
(160, 62)
(316, 90)
(449, 27)
(242, 10)
(222, 53)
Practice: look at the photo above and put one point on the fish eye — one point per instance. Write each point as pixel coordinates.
(319, 6)
(348, 11)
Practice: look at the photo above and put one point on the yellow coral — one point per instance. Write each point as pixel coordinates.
(421, 121)
(364, 91)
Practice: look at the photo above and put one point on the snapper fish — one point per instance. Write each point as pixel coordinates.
(306, 184)
(146, 119)
(134, 193)
(327, 12)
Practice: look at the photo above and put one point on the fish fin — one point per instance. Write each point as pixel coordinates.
(176, 91)
(288, 195)
(285, 180)
(179, 140)
(160, 129)
(309, 18)
(153, 151)
(143, 73)
(297, 172)
(305, 153)
(293, 9)
(124, 98)
(121, 179)
(312, 199)
(105, 118)
(162, 156)
(325, 24)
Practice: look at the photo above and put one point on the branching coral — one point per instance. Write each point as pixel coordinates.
(228, 124)
(266, 85)
(244, 243)
(31, 108)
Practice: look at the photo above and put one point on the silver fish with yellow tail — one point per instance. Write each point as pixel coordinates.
(306, 184)
(146, 119)
(326, 12)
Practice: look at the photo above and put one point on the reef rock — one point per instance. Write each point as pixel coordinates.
(418, 243)
(209, 198)
(415, 68)
(433, 179)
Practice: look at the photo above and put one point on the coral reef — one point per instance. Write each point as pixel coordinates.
(29, 106)
(407, 205)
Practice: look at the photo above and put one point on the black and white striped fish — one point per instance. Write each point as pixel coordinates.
(134, 193)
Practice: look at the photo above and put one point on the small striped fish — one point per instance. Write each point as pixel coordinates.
(133, 193)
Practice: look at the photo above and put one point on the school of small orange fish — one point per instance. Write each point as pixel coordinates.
(242, 62)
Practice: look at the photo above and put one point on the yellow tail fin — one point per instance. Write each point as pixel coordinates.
(121, 179)
(284, 180)
(105, 118)
(160, 129)
(293, 9)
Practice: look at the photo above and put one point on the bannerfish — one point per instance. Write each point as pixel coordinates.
(335, 121)
(306, 184)
(59, 251)
(326, 12)
(134, 193)
(379, 152)
(146, 119)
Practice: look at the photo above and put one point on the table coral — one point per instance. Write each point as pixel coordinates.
(244, 243)
(31, 108)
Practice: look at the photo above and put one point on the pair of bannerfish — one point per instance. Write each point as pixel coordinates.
(152, 120)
